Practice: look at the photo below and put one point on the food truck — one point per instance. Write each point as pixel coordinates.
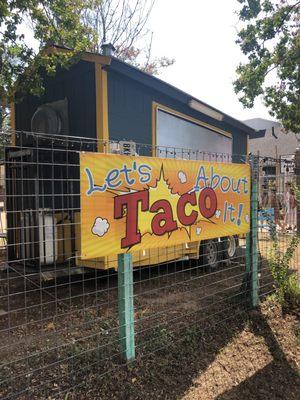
(102, 104)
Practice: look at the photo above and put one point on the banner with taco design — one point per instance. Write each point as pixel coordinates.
(131, 203)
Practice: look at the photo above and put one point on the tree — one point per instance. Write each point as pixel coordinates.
(79, 25)
(123, 24)
(52, 21)
(270, 38)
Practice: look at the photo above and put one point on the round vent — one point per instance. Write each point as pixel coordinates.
(46, 120)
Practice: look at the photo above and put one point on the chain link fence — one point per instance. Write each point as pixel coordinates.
(59, 314)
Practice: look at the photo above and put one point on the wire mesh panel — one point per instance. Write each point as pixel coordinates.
(277, 218)
(59, 322)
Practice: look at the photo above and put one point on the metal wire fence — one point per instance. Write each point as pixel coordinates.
(59, 314)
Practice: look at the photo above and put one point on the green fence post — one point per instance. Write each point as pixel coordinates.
(253, 232)
(247, 279)
(248, 251)
(126, 309)
(297, 173)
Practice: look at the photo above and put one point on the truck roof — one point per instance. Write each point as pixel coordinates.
(132, 72)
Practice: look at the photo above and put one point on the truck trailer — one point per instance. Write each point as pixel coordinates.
(103, 104)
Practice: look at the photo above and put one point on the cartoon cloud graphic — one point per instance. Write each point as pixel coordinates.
(218, 213)
(182, 177)
(100, 227)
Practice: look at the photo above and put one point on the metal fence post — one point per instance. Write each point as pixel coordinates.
(253, 232)
(248, 252)
(126, 309)
(297, 172)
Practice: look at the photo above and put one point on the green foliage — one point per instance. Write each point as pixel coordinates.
(52, 22)
(292, 295)
(286, 285)
(5, 134)
(270, 38)
(74, 26)
(158, 339)
(297, 192)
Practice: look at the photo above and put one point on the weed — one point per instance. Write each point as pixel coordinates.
(192, 337)
(279, 262)
(286, 285)
(160, 338)
(292, 295)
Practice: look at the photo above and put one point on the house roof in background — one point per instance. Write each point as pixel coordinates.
(261, 123)
(260, 126)
(269, 139)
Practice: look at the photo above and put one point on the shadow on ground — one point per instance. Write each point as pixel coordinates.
(252, 356)
(278, 379)
(195, 339)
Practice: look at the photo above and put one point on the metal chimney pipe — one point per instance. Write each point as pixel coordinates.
(108, 49)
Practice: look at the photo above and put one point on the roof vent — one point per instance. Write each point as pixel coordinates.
(108, 49)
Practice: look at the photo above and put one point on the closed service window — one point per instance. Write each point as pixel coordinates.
(176, 132)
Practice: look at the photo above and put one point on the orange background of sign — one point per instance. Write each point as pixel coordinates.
(164, 184)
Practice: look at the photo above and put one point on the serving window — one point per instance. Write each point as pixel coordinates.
(175, 134)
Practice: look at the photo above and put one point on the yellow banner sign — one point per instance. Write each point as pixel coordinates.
(134, 203)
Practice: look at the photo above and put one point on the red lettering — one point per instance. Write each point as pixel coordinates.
(182, 202)
(162, 222)
(165, 217)
(130, 203)
(207, 195)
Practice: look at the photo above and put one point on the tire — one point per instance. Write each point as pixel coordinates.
(230, 247)
(210, 254)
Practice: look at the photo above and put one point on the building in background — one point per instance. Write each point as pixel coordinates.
(270, 140)
(277, 151)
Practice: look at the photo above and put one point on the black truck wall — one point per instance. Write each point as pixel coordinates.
(130, 112)
(77, 85)
(129, 104)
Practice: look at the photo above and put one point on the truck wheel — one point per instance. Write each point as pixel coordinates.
(209, 254)
(230, 245)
